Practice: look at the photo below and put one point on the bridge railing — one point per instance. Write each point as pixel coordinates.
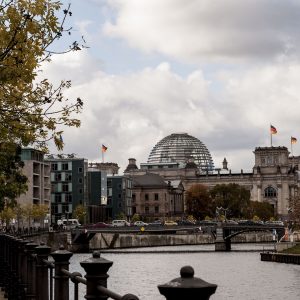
(31, 271)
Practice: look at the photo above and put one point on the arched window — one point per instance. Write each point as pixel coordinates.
(270, 192)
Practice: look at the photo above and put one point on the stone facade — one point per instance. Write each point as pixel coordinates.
(275, 177)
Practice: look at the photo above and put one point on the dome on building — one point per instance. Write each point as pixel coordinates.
(181, 148)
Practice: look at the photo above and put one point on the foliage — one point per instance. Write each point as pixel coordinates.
(32, 112)
(12, 182)
(191, 218)
(79, 213)
(261, 210)
(198, 201)
(121, 216)
(6, 215)
(135, 217)
(232, 197)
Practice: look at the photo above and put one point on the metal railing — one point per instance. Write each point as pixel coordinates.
(31, 271)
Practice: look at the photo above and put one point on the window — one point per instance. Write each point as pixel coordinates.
(146, 197)
(58, 198)
(65, 187)
(133, 198)
(270, 192)
(156, 209)
(146, 210)
(80, 170)
(65, 166)
(68, 197)
(68, 177)
(155, 196)
(57, 177)
(54, 167)
(80, 191)
(80, 180)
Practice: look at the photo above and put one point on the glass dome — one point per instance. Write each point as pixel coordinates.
(181, 148)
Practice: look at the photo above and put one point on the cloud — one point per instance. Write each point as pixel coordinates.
(202, 31)
(130, 113)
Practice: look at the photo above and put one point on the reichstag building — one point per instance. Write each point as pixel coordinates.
(182, 158)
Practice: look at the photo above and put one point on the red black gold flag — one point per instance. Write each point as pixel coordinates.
(273, 130)
(293, 140)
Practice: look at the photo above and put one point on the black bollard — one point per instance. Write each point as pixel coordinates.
(96, 269)
(61, 284)
(42, 290)
(187, 287)
(29, 249)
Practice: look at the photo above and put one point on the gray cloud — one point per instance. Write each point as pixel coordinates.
(197, 31)
(130, 113)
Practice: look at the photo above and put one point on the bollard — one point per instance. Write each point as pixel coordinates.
(42, 290)
(96, 274)
(61, 284)
(29, 249)
(187, 287)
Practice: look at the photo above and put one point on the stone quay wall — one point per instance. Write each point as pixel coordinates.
(125, 240)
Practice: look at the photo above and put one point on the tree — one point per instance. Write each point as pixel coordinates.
(80, 213)
(6, 215)
(198, 201)
(12, 182)
(231, 197)
(31, 112)
(262, 210)
(135, 217)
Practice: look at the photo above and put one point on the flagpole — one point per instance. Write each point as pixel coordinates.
(271, 137)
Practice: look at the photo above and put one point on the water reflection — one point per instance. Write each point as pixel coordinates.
(239, 275)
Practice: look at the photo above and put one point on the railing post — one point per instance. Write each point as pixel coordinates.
(61, 285)
(29, 248)
(23, 267)
(42, 288)
(96, 269)
(187, 287)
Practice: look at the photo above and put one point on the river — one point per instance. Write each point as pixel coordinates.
(239, 274)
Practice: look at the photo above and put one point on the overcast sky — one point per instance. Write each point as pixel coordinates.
(221, 71)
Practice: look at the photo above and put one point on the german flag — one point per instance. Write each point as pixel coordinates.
(293, 140)
(273, 129)
(104, 148)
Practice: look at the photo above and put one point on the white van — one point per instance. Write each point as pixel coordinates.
(120, 223)
(68, 223)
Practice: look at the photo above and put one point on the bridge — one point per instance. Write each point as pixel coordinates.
(225, 232)
(222, 233)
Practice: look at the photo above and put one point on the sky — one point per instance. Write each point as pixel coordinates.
(221, 71)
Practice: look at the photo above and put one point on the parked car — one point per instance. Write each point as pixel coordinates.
(206, 223)
(156, 223)
(140, 223)
(246, 222)
(185, 223)
(170, 223)
(230, 222)
(101, 225)
(120, 223)
(68, 223)
(280, 223)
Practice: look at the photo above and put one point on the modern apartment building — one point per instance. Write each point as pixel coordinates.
(68, 185)
(97, 195)
(119, 196)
